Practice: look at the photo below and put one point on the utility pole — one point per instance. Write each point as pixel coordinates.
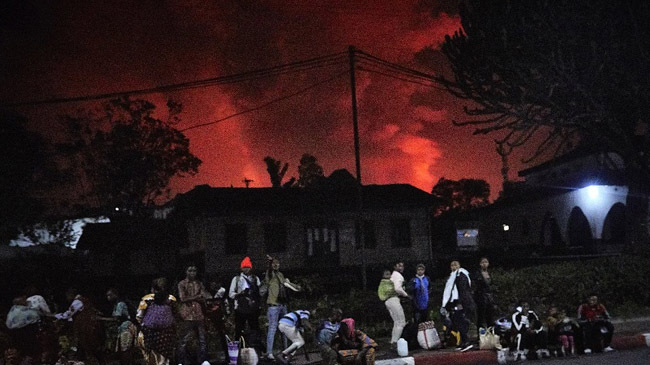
(357, 159)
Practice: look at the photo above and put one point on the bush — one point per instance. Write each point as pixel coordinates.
(618, 281)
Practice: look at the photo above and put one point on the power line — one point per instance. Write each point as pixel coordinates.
(298, 66)
(365, 69)
(284, 97)
(395, 66)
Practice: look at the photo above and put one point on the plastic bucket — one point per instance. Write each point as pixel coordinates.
(233, 352)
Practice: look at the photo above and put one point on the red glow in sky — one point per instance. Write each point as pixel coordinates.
(55, 49)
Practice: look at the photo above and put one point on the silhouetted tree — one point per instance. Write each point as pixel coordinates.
(310, 173)
(460, 195)
(127, 156)
(276, 173)
(24, 163)
(558, 73)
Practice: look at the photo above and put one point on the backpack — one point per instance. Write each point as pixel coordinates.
(249, 303)
(158, 316)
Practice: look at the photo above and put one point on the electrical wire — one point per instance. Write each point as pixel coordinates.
(362, 68)
(284, 97)
(244, 76)
(410, 71)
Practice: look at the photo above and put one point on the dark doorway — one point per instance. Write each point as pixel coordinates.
(614, 226)
(550, 235)
(579, 231)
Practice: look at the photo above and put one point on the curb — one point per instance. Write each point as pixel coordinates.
(465, 358)
(409, 360)
(624, 342)
(628, 342)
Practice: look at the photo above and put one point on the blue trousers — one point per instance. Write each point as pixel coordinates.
(274, 313)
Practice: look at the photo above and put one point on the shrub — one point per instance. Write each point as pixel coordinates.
(618, 281)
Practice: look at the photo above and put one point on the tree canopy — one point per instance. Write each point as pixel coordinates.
(127, 155)
(460, 195)
(557, 73)
(310, 173)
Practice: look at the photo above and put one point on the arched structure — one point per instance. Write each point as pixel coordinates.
(614, 225)
(578, 230)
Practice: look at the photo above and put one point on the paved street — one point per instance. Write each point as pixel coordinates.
(627, 357)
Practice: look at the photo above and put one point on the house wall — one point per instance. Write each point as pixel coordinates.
(208, 234)
(594, 201)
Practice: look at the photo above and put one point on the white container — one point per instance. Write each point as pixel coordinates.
(402, 347)
(647, 339)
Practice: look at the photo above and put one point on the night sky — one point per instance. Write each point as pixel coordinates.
(75, 48)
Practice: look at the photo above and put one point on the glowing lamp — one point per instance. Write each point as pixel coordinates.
(506, 227)
(592, 191)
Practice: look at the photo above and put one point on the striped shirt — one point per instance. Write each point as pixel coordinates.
(295, 318)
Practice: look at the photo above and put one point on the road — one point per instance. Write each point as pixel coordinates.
(627, 357)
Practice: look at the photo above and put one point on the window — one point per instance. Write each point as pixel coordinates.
(236, 240)
(322, 240)
(275, 237)
(401, 233)
(369, 235)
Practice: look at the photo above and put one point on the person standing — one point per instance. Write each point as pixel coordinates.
(157, 319)
(121, 327)
(394, 306)
(483, 295)
(192, 295)
(245, 291)
(421, 290)
(457, 300)
(276, 302)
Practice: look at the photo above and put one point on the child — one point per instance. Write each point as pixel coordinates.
(561, 328)
(386, 287)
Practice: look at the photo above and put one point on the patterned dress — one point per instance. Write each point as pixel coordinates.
(158, 345)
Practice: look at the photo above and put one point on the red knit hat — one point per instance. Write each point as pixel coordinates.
(246, 262)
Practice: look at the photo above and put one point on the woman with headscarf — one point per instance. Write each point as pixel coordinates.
(158, 330)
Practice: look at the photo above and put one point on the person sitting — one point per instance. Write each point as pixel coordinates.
(528, 333)
(561, 331)
(327, 332)
(22, 323)
(354, 344)
(597, 328)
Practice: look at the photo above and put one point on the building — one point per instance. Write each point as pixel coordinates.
(305, 228)
(574, 204)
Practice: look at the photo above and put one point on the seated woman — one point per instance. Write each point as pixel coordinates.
(353, 345)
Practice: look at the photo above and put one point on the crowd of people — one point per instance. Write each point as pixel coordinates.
(164, 323)
(469, 298)
(165, 320)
